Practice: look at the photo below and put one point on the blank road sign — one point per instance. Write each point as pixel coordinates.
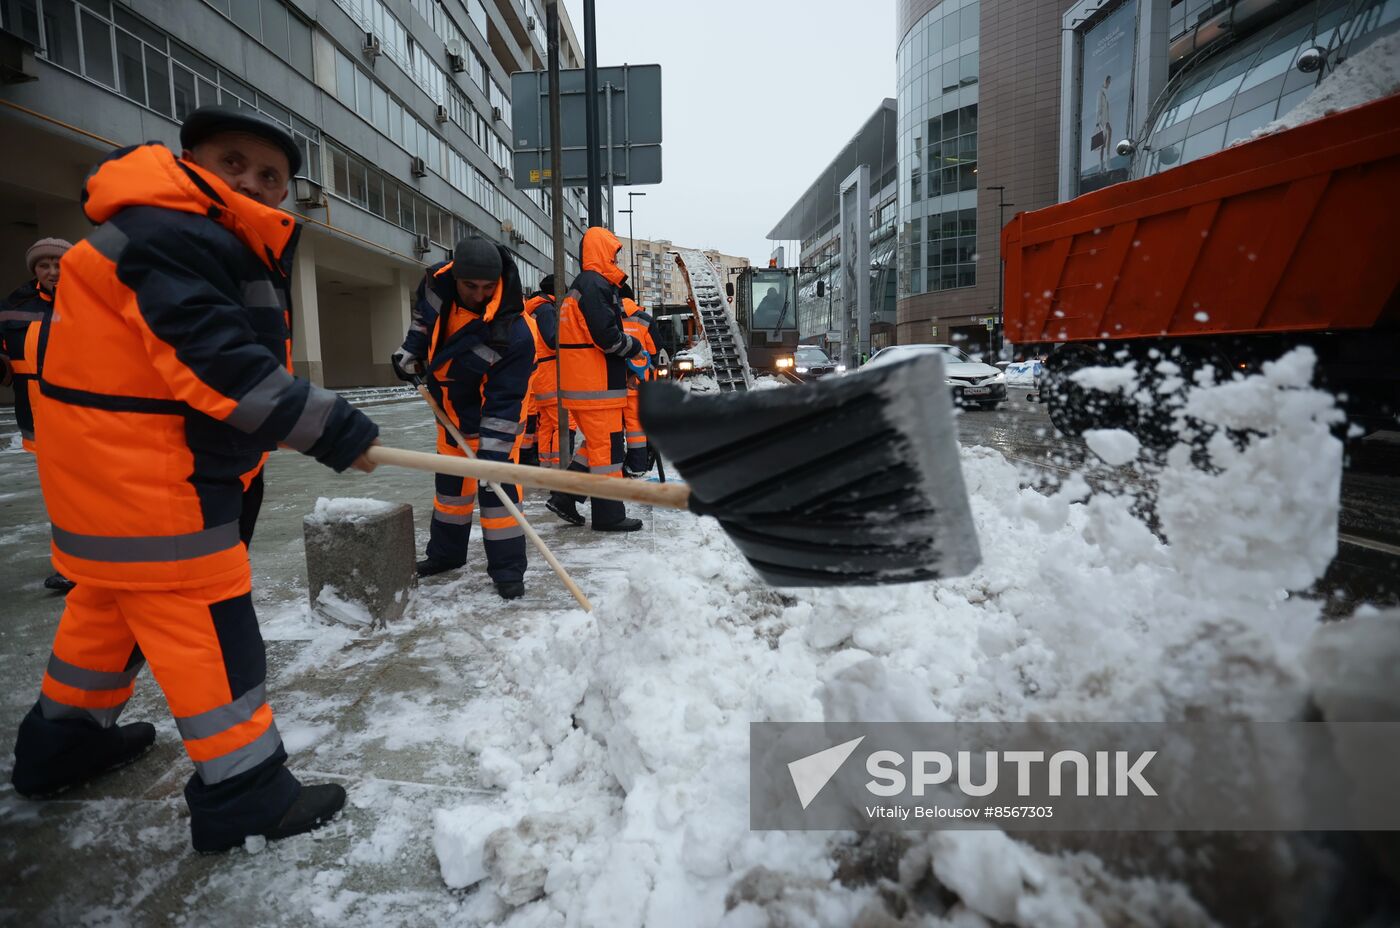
(635, 125)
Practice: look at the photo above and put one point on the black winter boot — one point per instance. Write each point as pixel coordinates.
(565, 507)
(510, 589)
(623, 525)
(58, 582)
(54, 756)
(316, 804)
(431, 566)
(315, 807)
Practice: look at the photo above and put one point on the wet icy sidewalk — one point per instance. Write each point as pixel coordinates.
(373, 711)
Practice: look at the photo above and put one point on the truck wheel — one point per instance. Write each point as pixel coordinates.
(1074, 410)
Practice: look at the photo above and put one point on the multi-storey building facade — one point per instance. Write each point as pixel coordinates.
(979, 108)
(401, 108)
(658, 280)
(813, 223)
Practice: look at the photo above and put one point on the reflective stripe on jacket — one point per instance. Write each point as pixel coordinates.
(165, 380)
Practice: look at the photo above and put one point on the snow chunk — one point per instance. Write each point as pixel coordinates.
(345, 611)
(1106, 379)
(1114, 446)
(348, 509)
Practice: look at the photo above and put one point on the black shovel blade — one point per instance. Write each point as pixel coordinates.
(837, 482)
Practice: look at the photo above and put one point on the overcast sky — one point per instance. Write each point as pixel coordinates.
(757, 97)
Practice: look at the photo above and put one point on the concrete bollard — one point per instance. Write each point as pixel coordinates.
(360, 560)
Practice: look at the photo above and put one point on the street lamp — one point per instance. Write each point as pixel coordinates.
(1001, 270)
(632, 243)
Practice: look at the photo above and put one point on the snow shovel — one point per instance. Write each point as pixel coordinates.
(844, 481)
(422, 387)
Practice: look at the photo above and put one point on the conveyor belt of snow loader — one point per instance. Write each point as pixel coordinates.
(717, 322)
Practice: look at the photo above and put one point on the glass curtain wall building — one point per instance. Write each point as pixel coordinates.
(1227, 94)
(937, 67)
(1182, 79)
(978, 101)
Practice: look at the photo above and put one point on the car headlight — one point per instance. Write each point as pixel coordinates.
(663, 372)
(801, 370)
(840, 368)
(785, 362)
(952, 383)
(999, 378)
(685, 365)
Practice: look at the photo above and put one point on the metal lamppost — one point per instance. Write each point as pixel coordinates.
(632, 242)
(1001, 269)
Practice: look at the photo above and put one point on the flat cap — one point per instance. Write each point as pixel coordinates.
(208, 121)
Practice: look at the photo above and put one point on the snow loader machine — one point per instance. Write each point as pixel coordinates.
(1218, 266)
(765, 303)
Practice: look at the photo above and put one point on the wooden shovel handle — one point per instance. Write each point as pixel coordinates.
(670, 495)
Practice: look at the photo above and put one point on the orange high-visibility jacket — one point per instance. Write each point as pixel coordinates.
(166, 377)
(637, 323)
(593, 348)
(480, 362)
(545, 382)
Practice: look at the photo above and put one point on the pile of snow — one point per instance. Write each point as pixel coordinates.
(619, 740)
(700, 354)
(348, 509)
(1370, 74)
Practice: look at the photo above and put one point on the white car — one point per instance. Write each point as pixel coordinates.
(972, 381)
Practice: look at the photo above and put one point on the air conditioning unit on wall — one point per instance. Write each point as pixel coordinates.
(371, 46)
(496, 113)
(421, 245)
(441, 114)
(419, 167)
(456, 62)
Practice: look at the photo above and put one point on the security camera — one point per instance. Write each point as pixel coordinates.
(1311, 60)
(1125, 148)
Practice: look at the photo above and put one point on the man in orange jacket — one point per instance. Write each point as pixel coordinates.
(165, 384)
(593, 354)
(637, 323)
(542, 423)
(473, 344)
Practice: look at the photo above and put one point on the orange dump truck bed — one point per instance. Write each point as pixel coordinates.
(1293, 232)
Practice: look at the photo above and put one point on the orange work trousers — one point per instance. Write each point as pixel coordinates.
(601, 453)
(205, 651)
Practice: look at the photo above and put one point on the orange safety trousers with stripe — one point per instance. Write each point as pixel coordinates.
(454, 503)
(204, 649)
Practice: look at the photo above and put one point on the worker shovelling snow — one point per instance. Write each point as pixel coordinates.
(167, 359)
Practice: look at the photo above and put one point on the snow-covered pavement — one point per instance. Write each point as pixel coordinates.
(533, 765)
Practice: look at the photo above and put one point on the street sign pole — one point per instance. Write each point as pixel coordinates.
(590, 103)
(607, 101)
(556, 187)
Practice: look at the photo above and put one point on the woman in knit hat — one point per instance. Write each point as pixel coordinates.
(21, 317)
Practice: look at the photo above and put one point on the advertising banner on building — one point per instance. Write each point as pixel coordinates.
(1106, 96)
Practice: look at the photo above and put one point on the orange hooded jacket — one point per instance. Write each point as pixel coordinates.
(593, 348)
(166, 377)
